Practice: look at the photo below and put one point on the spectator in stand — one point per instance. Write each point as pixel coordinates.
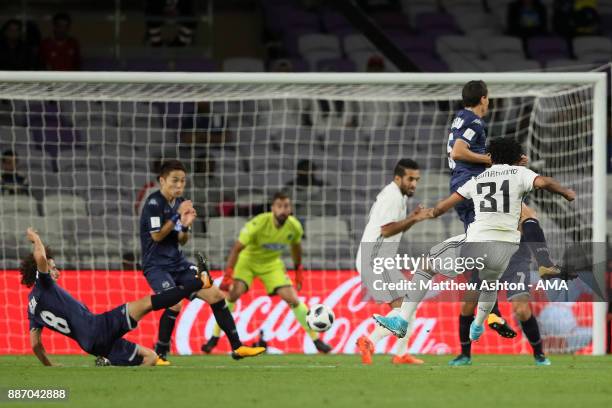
(148, 188)
(204, 126)
(15, 53)
(209, 198)
(526, 18)
(61, 51)
(376, 63)
(159, 10)
(12, 182)
(576, 17)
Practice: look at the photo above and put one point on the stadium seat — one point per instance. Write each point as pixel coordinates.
(336, 65)
(18, 205)
(458, 44)
(326, 229)
(501, 47)
(243, 64)
(504, 64)
(58, 204)
(593, 48)
(357, 43)
(566, 64)
(310, 43)
(225, 228)
(547, 48)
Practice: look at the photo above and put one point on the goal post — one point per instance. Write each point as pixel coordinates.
(574, 104)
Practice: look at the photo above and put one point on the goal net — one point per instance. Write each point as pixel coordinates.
(87, 153)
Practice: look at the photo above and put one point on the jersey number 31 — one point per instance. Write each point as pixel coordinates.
(489, 202)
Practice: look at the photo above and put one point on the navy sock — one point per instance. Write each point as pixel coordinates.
(225, 320)
(534, 236)
(464, 334)
(166, 326)
(532, 332)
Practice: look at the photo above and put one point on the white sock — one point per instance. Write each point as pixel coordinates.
(486, 301)
(414, 297)
(402, 344)
(380, 332)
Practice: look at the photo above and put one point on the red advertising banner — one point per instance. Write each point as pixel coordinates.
(565, 326)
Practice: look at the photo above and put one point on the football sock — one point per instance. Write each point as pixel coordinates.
(414, 297)
(380, 332)
(534, 236)
(402, 344)
(300, 311)
(166, 326)
(174, 295)
(225, 320)
(486, 300)
(532, 332)
(216, 328)
(464, 334)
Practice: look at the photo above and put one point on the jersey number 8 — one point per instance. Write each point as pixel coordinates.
(57, 323)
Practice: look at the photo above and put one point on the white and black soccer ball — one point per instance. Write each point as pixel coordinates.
(320, 318)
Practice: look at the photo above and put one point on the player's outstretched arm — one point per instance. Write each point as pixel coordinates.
(552, 185)
(40, 255)
(446, 204)
(38, 348)
(461, 151)
(393, 228)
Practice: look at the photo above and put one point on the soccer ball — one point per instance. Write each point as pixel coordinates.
(320, 318)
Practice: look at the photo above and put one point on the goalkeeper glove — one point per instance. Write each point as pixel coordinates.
(299, 277)
(228, 279)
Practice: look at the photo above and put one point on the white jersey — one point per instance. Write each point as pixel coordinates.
(498, 194)
(390, 206)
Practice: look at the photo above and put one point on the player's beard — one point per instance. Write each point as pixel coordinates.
(280, 220)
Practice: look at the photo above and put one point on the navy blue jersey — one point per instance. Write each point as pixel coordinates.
(165, 254)
(51, 306)
(470, 128)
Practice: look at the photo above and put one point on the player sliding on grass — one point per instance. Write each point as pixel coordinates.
(497, 194)
(257, 254)
(466, 159)
(165, 224)
(49, 305)
(387, 221)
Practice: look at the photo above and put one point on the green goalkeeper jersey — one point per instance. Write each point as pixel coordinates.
(264, 242)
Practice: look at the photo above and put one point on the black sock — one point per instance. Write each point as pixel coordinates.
(464, 334)
(532, 332)
(172, 296)
(534, 236)
(225, 320)
(496, 310)
(166, 326)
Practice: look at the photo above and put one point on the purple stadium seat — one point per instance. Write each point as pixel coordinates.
(336, 65)
(300, 65)
(195, 65)
(52, 140)
(334, 22)
(436, 23)
(391, 21)
(547, 48)
(419, 44)
(427, 63)
(100, 64)
(145, 64)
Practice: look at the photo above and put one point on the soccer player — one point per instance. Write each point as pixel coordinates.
(101, 335)
(164, 225)
(467, 158)
(257, 254)
(497, 195)
(387, 221)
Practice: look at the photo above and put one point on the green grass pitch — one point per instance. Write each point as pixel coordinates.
(319, 381)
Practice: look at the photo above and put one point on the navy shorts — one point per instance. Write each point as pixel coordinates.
(465, 210)
(109, 328)
(161, 279)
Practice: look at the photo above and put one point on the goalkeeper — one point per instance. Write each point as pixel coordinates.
(257, 254)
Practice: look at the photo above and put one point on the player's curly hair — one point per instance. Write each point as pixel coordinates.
(28, 268)
(505, 150)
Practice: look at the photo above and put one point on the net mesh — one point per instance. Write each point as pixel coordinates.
(88, 152)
